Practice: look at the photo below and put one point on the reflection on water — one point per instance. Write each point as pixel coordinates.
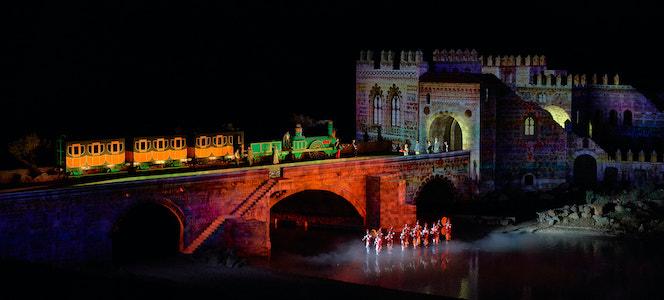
(514, 266)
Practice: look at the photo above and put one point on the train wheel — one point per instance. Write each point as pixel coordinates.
(316, 154)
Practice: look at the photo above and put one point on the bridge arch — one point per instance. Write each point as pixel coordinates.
(435, 197)
(148, 229)
(320, 204)
(340, 189)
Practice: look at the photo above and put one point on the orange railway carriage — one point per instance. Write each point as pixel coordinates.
(94, 156)
(169, 151)
(212, 146)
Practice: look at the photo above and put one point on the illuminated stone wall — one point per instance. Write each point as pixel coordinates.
(382, 82)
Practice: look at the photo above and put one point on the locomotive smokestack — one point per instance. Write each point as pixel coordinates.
(298, 130)
(330, 128)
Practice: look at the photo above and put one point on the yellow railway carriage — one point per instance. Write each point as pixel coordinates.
(95, 156)
(169, 151)
(213, 147)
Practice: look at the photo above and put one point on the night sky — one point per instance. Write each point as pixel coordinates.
(117, 68)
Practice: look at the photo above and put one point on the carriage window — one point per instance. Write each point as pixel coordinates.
(115, 148)
(230, 139)
(220, 140)
(95, 149)
(121, 147)
(239, 139)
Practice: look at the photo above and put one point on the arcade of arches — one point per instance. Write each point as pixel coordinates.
(446, 129)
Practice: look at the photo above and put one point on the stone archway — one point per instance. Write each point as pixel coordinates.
(147, 231)
(585, 171)
(435, 198)
(311, 221)
(446, 128)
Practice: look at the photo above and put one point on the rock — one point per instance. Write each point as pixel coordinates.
(551, 212)
(641, 228)
(566, 207)
(504, 222)
(573, 216)
(574, 208)
(585, 215)
(601, 221)
(598, 209)
(619, 208)
(586, 209)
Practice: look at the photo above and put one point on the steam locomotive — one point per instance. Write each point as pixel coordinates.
(88, 157)
(301, 147)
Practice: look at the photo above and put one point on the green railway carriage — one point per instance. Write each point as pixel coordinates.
(300, 147)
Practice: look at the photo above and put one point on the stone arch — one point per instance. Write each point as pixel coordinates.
(558, 114)
(325, 206)
(433, 189)
(340, 191)
(449, 122)
(146, 229)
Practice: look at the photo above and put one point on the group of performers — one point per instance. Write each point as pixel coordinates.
(416, 236)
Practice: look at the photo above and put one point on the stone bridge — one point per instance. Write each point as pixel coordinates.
(220, 208)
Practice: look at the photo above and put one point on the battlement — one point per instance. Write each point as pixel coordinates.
(408, 59)
(551, 80)
(512, 61)
(452, 55)
(582, 80)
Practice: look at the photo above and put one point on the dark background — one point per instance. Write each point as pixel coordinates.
(92, 69)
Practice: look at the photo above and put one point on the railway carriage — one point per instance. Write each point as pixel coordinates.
(158, 151)
(221, 146)
(94, 156)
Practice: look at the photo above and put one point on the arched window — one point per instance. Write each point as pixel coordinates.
(613, 117)
(627, 118)
(529, 179)
(377, 110)
(396, 110)
(428, 98)
(530, 126)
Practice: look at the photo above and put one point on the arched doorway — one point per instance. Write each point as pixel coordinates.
(312, 222)
(435, 199)
(446, 129)
(585, 171)
(148, 231)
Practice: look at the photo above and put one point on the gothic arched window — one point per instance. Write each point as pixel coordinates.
(530, 126)
(396, 110)
(377, 110)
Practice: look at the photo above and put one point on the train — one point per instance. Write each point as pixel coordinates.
(87, 157)
(297, 148)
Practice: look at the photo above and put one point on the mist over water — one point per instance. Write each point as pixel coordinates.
(510, 265)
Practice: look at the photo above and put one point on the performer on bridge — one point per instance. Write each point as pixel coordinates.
(337, 146)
